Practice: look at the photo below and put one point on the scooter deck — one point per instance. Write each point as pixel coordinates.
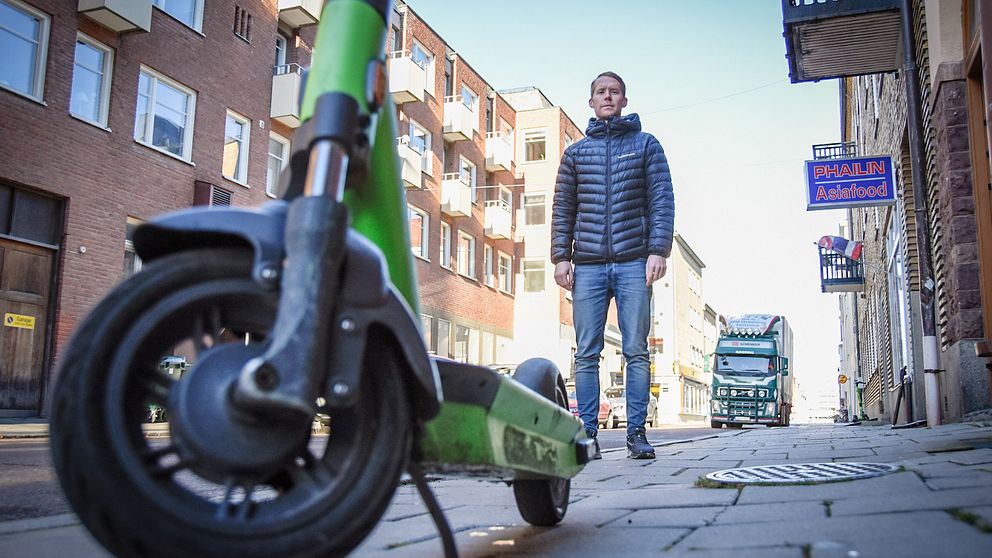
(493, 426)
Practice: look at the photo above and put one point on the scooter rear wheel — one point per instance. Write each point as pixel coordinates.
(542, 502)
(142, 496)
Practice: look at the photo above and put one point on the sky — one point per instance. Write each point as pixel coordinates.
(709, 79)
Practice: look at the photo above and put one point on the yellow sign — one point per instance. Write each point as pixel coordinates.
(18, 320)
(842, 379)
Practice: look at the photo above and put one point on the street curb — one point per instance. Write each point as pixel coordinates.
(38, 523)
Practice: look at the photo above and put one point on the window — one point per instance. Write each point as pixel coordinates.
(443, 338)
(164, 117)
(488, 345)
(469, 97)
(396, 33)
(132, 263)
(569, 140)
(535, 209)
(466, 255)
(422, 57)
(468, 176)
(242, 23)
(487, 266)
(420, 141)
(505, 273)
(189, 12)
(446, 245)
(462, 335)
(535, 145)
(426, 323)
(534, 276)
(30, 216)
(24, 40)
(237, 132)
(278, 158)
(449, 71)
(489, 113)
(419, 227)
(90, 97)
(506, 198)
(282, 49)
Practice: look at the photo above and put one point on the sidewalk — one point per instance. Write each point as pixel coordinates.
(938, 504)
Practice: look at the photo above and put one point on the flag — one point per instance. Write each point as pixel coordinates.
(841, 245)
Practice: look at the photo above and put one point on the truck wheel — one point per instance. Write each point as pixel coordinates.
(542, 502)
(716, 424)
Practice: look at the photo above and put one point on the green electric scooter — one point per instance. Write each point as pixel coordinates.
(304, 307)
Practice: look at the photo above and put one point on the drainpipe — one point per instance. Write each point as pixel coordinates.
(914, 121)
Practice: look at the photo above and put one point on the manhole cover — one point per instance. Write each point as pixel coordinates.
(801, 473)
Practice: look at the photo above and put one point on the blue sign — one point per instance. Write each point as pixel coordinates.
(855, 182)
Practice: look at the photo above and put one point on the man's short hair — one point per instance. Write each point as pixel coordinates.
(623, 86)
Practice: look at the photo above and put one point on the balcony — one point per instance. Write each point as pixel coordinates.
(119, 16)
(286, 94)
(499, 220)
(840, 274)
(459, 120)
(837, 38)
(297, 13)
(407, 79)
(499, 152)
(411, 163)
(456, 195)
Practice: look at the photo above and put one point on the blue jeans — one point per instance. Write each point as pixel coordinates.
(595, 285)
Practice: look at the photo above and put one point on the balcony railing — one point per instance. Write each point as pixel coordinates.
(411, 162)
(297, 13)
(499, 152)
(456, 195)
(837, 38)
(286, 94)
(407, 79)
(459, 120)
(499, 220)
(119, 15)
(842, 150)
(839, 274)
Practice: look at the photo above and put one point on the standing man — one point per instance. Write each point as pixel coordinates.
(612, 223)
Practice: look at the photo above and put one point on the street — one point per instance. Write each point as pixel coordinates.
(30, 489)
(940, 483)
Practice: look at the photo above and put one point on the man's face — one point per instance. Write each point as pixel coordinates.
(607, 99)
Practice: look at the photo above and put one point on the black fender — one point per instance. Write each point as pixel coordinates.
(368, 306)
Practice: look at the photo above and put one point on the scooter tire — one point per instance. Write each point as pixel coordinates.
(136, 505)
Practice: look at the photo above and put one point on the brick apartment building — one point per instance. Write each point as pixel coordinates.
(114, 112)
(456, 146)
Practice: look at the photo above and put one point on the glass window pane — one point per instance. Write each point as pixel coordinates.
(87, 82)
(183, 10)
(35, 217)
(170, 98)
(233, 147)
(19, 34)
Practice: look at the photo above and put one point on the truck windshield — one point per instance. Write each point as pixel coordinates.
(744, 365)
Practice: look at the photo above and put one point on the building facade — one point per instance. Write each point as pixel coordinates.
(887, 315)
(111, 117)
(457, 152)
(678, 341)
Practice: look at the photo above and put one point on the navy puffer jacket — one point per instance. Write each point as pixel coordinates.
(613, 199)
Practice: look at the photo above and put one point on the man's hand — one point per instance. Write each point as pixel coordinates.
(565, 275)
(654, 270)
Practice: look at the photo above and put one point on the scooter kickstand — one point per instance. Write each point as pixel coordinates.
(437, 514)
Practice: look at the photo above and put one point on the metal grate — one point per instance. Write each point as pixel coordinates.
(801, 473)
(841, 150)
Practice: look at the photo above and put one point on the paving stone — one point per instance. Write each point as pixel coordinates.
(829, 454)
(52, 543)
(984, 512)
(758, 513)
(932, 534)
(660, 497)
(898, 501)
(881, 486)
(757, 552)
(973, 480)
(669, 517)
(973, 457)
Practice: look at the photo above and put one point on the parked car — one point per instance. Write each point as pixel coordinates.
(605, 416)
(618, 402)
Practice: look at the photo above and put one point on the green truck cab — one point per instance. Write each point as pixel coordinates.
(752, 383)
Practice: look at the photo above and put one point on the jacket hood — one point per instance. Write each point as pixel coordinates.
(617, 125)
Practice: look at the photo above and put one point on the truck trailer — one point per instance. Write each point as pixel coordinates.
(751, 379)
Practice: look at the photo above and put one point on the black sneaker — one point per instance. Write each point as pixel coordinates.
(595, 441)
(638, 446)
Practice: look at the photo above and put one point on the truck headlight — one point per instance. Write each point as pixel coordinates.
(769, 408)
(762, 393)
(722, 391)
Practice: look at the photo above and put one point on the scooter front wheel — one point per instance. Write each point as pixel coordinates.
(257, 488)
